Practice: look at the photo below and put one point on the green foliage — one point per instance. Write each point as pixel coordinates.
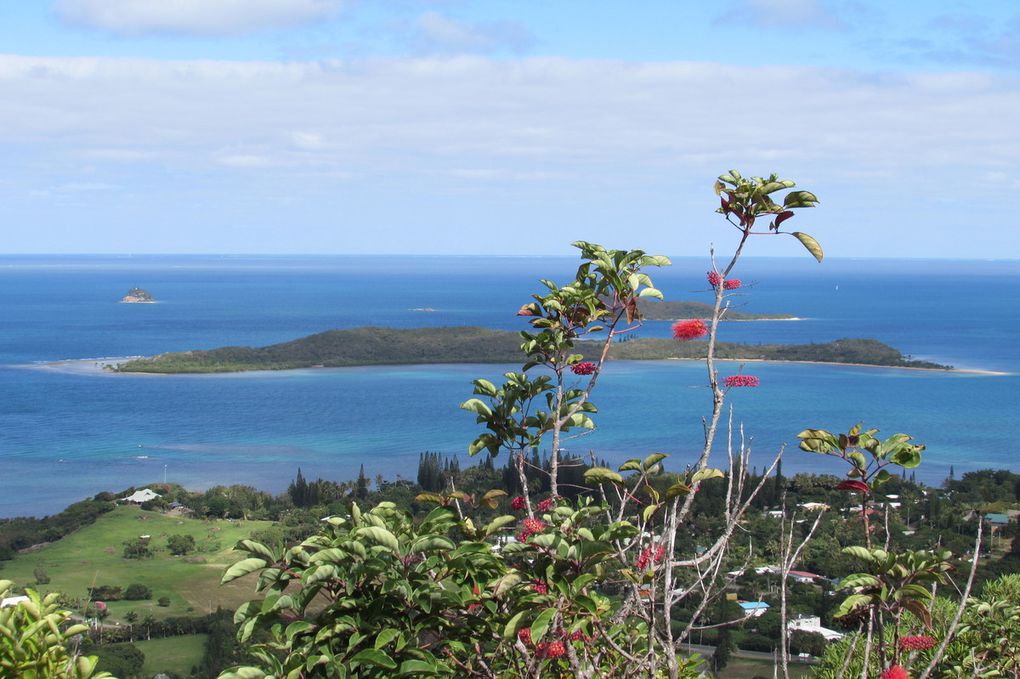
(137, 592)
(23, 532)
(337, 348)
(179, 545)
(399, 598)
(34, 639)
(473, 345)
(894, 583)
(376, 594)
(748, 199)
(123, 660)
(138, 548)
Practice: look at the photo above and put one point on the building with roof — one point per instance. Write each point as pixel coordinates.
(141, 496)
(996, 520)
(813, 624)
(753, 609)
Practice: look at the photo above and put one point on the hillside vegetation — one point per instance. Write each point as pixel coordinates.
(680, 310)
(94, 556)
(381, 346)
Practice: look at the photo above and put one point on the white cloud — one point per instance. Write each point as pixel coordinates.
(243, 160)
(201, 17)
(435, 33)
(596, 140)
(782, 14)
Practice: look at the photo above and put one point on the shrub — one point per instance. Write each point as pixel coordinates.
(137, 549)
(41, 577)
(137, 592)
(106, 593)
(164, 601)
(180, 545)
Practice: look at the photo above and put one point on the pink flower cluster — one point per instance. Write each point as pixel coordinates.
(517, 503)
(646, 557)
(539, 586)
(530, 527)
(688, 330)
(714, 279)
(918, 643)
(895, 672)
(583, 368)
(742, 381)
(732, 284)
(551, 650)
(546, 504)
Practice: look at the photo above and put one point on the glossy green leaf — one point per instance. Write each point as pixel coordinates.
(810, 244)
(602, 475)
(242, 568)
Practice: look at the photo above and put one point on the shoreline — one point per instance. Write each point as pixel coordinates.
(964, 371)
(93, 366)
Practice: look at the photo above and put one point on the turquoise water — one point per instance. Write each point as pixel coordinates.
(68, 433)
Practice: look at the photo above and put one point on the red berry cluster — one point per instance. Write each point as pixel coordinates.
(895, 672)
(524, 634)
(732, 284)
(530, 527)
(539, 586)
(918, 643)
(551, 650)
(714, 279)
(583, 368)
(517, 503)
(646, 557)
(545, 505)
(688, 330)
(742, 381)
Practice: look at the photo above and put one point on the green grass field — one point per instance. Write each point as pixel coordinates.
(174, 654)
(94, 556)
(741, 668)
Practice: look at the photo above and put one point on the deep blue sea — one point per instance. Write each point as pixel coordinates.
(67, 433)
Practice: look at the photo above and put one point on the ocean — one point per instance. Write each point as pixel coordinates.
(69, 432)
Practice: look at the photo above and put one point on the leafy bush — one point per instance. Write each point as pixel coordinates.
(137, 592)
(137, 549)
(35, 637)
(180, 545)
(106, 593)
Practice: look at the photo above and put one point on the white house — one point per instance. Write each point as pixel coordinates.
(813, 624)
(12, 601)
(140, 496)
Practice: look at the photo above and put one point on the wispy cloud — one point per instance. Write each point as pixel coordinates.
(199, 17)
(782, 14)
(435, 33)
(535, 140)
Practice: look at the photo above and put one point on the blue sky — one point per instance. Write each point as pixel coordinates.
(432, 126)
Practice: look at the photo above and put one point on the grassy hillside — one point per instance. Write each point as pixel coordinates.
(380, 346)
(93, 555)
(173, 654)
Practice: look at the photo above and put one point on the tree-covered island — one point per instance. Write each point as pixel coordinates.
(390, 346)
(684, 309)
